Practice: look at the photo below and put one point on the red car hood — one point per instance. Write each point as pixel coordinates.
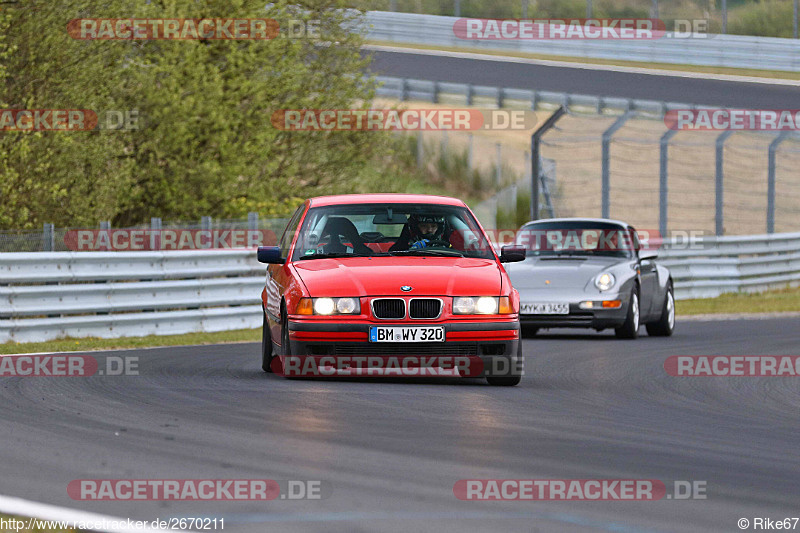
(383, 276)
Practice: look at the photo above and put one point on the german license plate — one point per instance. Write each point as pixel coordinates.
(406, 334)
(545, 308)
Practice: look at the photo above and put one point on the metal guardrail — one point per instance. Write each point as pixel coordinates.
(434, 91)
(748, 263)
(44, 296)
(735, 51)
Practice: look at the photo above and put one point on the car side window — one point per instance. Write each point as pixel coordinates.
(291, 228)
(635, 239)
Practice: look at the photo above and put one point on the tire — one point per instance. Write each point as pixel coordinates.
(630, 328)
(509, 381)
(529, 331)
(286, 348)
(665, 325)
(266, 346)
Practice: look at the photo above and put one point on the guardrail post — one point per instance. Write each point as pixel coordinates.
(105, 224)
(588, 9)
(535, 155)
(724, 16)
(524, 9)
(662, 181)
(534, 97)
(48, 237)
(436, 92)
(773, 147)
(392, 5)
(719, 189)
(605, 188)
(795, 18)
(420, 149)
(457, 8)
(498, 171)
(252, 220)
(469, 151)
(470, 94)
(404, 95)
(500, 97)
(155, 233)
(654, 10)
(205, 223)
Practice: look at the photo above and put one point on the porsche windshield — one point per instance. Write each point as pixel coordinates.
(577, 238)
(390, 230)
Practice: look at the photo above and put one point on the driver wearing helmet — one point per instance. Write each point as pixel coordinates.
(422, 231)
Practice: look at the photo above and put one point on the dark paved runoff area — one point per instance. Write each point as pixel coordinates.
(582, 81)
(389, 451)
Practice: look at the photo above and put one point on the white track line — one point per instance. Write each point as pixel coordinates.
(585, 66)
(26, 508)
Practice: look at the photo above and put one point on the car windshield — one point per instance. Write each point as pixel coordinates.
(367, 230)
(577, 238)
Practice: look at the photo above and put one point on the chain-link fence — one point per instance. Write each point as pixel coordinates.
(709, 184)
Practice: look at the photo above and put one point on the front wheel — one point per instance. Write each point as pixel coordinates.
(630, 329)
(515, 373)
(266, 346)
(665, 325)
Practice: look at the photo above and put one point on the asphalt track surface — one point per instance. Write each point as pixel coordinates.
(585, 81)
(390, 450)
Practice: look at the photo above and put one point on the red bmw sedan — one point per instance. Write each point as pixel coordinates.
(381, 282)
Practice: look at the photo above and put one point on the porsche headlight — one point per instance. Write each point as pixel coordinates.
(481, 305)
(336, 306)
(605, 281)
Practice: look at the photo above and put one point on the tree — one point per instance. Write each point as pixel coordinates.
(205, 144)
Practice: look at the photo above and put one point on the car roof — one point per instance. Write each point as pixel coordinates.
(384, 198)
(577, 219)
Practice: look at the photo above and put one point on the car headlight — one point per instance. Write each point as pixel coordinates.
(481, 305)
(605, 281)
(329, 306)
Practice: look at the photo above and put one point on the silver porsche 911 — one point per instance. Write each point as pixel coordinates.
(591, 273)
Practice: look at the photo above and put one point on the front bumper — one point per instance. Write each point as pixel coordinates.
(487, 348)
(597, 318)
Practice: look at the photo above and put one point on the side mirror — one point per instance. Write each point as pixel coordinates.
(270, 255)
(512, 254)
(647, 253)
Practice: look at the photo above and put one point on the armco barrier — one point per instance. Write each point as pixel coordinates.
(735, 51)
(748, 263)
(51, 295)
(435, 91)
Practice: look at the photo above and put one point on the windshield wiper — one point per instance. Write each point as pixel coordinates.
(423, 251)
(329, 256)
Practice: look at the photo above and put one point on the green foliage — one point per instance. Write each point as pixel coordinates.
(772, 18)
(205, 143)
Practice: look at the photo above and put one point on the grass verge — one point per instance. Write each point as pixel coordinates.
(777, 301)
(729, 71)
(90, 344)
